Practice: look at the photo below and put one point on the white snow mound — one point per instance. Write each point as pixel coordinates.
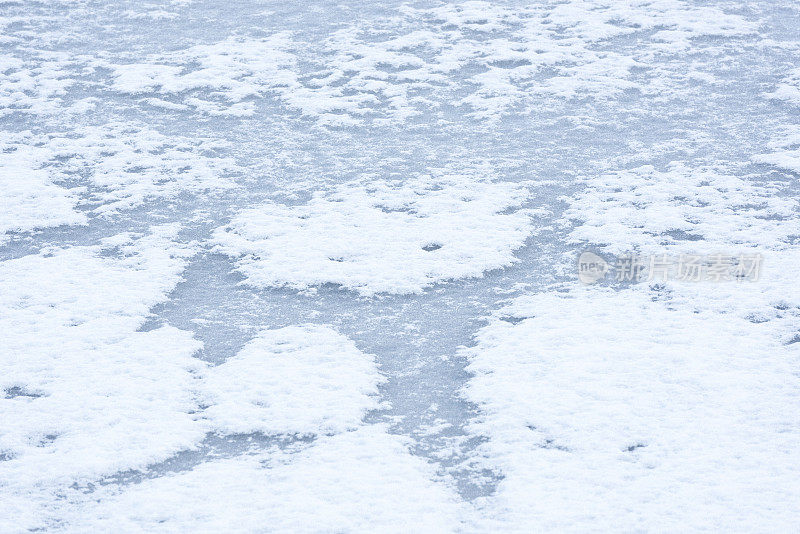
(299, 379)
(393, 237)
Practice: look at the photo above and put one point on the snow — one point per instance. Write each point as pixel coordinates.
(235, 68)
(96, 395)
(785, 152)
(642, 208)
(300, 379)
(129, 164)
(608, 406)
(29, 197)
(355, 481)
(312, 266)
(33, 86)
(661, 405)
(789, 88)
(438, 227)
(387, 71)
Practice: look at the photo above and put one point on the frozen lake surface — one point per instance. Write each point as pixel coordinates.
(268, 266)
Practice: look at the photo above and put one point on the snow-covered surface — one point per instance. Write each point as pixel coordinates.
(605, 407)
(30, 198)
(294, 380)
(391, 237)
(310, 267)
(356, 482)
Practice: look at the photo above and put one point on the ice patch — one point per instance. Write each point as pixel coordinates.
(381, 236)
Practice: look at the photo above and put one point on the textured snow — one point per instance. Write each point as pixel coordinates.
(785, 152)
(34, 85)
(129, 164)
(89, 394)
(660, 405)
(29, 197)
(642, 208)
(353, 482)
(311, 266)
(397, 67)
(789, 88)
(235, 68)
(606, 407)
(119, 166)
(303, 380)
(383, 236)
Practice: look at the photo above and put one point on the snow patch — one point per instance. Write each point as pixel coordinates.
(29, 198)
(359, 481)
(637, 209)
(107, 397)
(299, 379)
(785, 152)
(789, 88)
(608, 407)
(381, 236)
(488, 58)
